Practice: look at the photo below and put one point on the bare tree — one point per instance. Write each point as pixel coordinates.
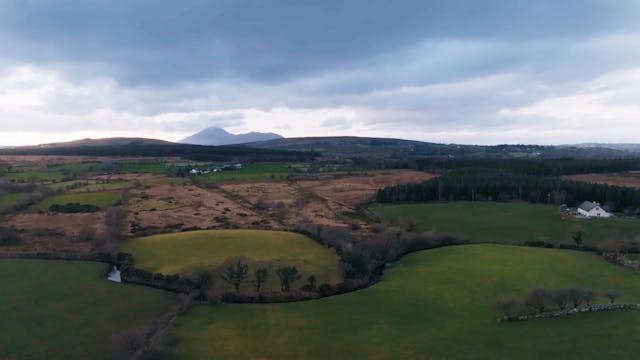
(261, 274)
(509, 306)
(538, 299)
(560, 298)
(575, 296)
(612, 295)
(589, 295)
(287, 275)
(235, 272)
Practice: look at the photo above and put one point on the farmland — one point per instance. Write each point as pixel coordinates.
(434, 304)
(65, 310)
(181, 252)
(249, 172)
(100, 199)
(512, 223)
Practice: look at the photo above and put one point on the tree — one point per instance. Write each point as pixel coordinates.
(234, 273)
(261, 275)
(588, 296)
(508, 306)
(538, 299)
(578, 237)
(575, 296)
(560, 298)
(611, 294)
(311, 282)
(287, 275)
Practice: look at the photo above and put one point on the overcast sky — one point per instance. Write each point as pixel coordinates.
(476, 71)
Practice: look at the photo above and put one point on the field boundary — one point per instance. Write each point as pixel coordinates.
(578, 310)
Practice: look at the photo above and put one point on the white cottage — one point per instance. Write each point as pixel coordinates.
(590, 209)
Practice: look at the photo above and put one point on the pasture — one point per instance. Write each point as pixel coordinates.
(12, 198)
(249, 172)
(65, 310)
(181, 252)
(512, 223)
(100, 199)
(435, 304)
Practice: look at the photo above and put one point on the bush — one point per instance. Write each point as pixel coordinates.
(9, 237)
(72, 208)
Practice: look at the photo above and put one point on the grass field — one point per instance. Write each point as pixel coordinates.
(99, 199)
(251, 171)
(509, 222)
(181, 252)
(38, 175)
(431, 305)
(64, 310)
(141, 166)
(12, 199)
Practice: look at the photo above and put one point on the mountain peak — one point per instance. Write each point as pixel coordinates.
(219, 136)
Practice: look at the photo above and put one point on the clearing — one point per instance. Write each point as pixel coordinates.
(629, 179)
(435, 304)
(355, 190)
(512, 223)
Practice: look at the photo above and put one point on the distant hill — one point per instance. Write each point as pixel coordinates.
(620, 146)
(407, 150)
(218, 136)
(116, 141)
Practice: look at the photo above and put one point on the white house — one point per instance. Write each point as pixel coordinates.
(114, 275)
(590, 209)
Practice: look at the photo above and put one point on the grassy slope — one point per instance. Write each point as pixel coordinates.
(434, 304)
(175, 253)
(99, 199)
(64, 310)
(508, 222)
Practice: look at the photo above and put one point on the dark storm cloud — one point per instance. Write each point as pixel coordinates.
(152, 41)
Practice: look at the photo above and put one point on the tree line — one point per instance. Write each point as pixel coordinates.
(540, 167)
(499, 185)
(540, 300)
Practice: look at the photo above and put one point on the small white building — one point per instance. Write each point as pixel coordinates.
(114, 275)
(590, 209)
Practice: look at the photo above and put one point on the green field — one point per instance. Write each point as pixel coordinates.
(140, 166)
(431, 305)
(99, 199)
(251, 171)
(12, 199)
(181, 252)
(37, 175)
(65, 310)
(509, 222)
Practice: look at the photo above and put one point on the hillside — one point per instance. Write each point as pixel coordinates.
(399, 149)
(218, 136)
(116, 141)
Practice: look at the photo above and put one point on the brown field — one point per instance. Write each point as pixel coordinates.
(631, 179)
(166, 205)
(356, 190)
(53, 232)
(290, 202)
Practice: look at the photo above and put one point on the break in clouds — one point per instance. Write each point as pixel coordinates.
(443, 71)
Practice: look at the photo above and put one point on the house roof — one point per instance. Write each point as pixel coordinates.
(587, 206)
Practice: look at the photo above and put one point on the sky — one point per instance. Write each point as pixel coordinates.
(450, 71)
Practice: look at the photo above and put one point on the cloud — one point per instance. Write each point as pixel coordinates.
(466, 71)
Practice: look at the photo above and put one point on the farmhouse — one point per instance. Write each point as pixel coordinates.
(592, 209)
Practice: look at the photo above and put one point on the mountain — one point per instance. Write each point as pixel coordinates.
(218, 136)
(116, 141)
